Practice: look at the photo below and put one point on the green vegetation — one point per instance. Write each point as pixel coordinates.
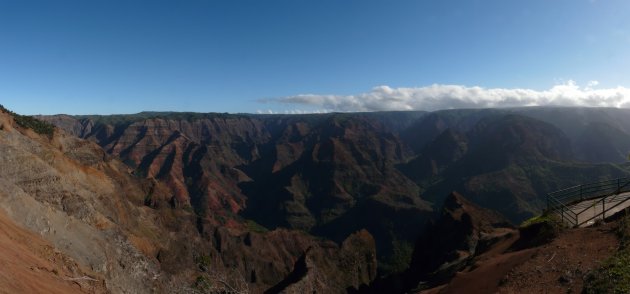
(203, 262)
(29, 122)
(253, 226)
(399, 259)
(544, 218)
(127, 119)
(614, 274)
(202, 283)
(539, 230)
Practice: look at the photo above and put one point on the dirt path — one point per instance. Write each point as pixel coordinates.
(561, 266)
(557, 267)
(489, 268)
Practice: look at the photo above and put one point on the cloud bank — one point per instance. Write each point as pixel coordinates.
(436, 97)
(294, 111)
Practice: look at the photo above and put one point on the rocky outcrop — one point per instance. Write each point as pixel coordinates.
(448, 245)
(315, 271)
(463, 231)
(76, 207)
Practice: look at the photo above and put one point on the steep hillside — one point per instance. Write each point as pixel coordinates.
(437, 155)
(453, 242)
(325, 174)
(597, 134)
(340, 178)
(502, 160)
(607, 128)
(120, 230)
(30, 264)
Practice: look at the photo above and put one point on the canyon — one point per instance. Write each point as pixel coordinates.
(332, 203)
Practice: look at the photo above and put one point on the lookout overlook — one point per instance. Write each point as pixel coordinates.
(583, 205)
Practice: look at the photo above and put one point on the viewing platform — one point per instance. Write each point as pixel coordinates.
(583, 205)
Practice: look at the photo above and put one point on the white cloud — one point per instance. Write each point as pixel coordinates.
(437, 97)
(592, 84)
(294, 111)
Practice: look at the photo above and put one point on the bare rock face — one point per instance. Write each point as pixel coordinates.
(30, 264)
(313, 271)
(448, 245)
(456, 236)
(463, 231)
(68, 204)
(264, 261)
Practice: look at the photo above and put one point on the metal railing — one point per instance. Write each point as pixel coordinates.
(572, 202)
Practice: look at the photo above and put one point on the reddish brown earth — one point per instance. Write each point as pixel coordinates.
(560, 266)
(29, 264)
(91, 207)
(557, 267)
(464, 233)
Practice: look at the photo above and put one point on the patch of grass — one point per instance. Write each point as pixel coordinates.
(188, 208)
(537, 231)
(255, 227)
(29, 122)
(623, 231)
(614, 274)
(544, 218)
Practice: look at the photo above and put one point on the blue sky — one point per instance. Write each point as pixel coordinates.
(246, 56)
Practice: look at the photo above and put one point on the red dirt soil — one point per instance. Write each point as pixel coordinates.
(557, 267)
(29, 264)
(561, 266)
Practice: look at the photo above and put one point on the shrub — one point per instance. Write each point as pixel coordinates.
(202, 283)
(203, 262)
(612, 277)
(537, 231)
(29, 122)
(614, 274)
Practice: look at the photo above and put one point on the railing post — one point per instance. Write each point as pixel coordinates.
(581, 197)
(562, 214)
(604, 208)
(548, 201)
